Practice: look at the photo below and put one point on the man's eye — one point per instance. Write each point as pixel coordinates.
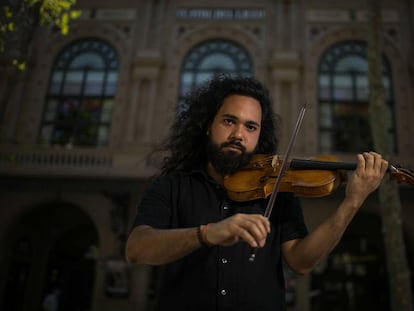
(251, 128)
(229, 121)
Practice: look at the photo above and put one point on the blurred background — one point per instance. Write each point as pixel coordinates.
(88, 88)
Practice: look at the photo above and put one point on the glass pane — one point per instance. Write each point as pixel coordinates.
(325, 113)
(202, 77)
(324, 80)
(88, 60)
(324, 87)
(352, 133)
(106, 113)
(245, 67)
(62, 135)
(342, 81)
(56, 83)
(73, 83)
(187, 81)
(362, 88)
(325, 142)
(217, 61)
(189, 64)
(343, 87)
(86, 135)
(342, 142)
(342, 135)
(352, 63)
(46, 134)
(90, 110)
(186, 78)
(341, 109)
(103, 134)
(361, 109)
(68, 110)
(51, 108)
(94, 83)
(111, 82)
(324, 67)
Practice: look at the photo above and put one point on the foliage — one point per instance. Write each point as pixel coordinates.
(19, 19)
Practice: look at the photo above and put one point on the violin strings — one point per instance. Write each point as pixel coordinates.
(266, 160)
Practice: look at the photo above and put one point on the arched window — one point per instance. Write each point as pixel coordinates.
(80, 96)
(209, 58)
(344, 98)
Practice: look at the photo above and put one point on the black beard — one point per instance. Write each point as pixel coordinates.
(227, 162)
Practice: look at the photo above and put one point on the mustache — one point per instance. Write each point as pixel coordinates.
(233, 142)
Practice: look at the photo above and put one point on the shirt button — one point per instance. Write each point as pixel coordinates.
(223, 292)
(224, 260)
(225, 207)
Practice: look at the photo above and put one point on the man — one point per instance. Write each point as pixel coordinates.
(187, 223)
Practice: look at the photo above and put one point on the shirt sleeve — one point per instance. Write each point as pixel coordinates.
(155, 207)
(292, 222)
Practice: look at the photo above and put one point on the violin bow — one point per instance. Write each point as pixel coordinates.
(282, 170)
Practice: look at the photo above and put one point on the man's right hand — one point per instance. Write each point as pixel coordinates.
(250, 228)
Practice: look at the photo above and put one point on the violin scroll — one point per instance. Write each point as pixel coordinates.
(401, 175)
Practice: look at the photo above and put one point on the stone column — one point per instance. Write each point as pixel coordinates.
(285, 73)
(286, 24)
(140, 114)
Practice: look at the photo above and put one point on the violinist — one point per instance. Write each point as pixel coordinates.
(187, 224)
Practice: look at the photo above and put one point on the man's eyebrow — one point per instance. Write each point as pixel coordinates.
(228, 115)
(233, 117)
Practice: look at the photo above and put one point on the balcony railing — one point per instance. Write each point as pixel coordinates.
(80, 162)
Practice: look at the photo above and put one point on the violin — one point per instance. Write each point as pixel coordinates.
(315, 177)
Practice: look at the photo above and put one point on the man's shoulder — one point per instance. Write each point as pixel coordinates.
(182, 175)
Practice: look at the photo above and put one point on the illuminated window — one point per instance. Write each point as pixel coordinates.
(344, 99)
(80, 96)
(210, 58)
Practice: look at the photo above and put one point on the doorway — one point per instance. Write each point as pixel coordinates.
(50, 248)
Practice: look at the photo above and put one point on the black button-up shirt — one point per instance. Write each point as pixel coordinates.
(219, 278)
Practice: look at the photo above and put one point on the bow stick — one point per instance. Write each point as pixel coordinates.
(282, 170)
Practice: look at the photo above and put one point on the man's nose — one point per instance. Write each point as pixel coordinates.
(237, 132)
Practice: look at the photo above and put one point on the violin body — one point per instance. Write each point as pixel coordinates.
(316, 177)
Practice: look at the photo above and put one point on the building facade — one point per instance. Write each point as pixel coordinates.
(78, 124)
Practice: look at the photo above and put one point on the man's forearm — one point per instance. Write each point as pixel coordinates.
(305, 254)
(147, 245)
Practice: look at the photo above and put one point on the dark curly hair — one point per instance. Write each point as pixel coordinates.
(186, 144)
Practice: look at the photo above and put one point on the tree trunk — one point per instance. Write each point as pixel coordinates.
(398, 270)
(17, 47)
